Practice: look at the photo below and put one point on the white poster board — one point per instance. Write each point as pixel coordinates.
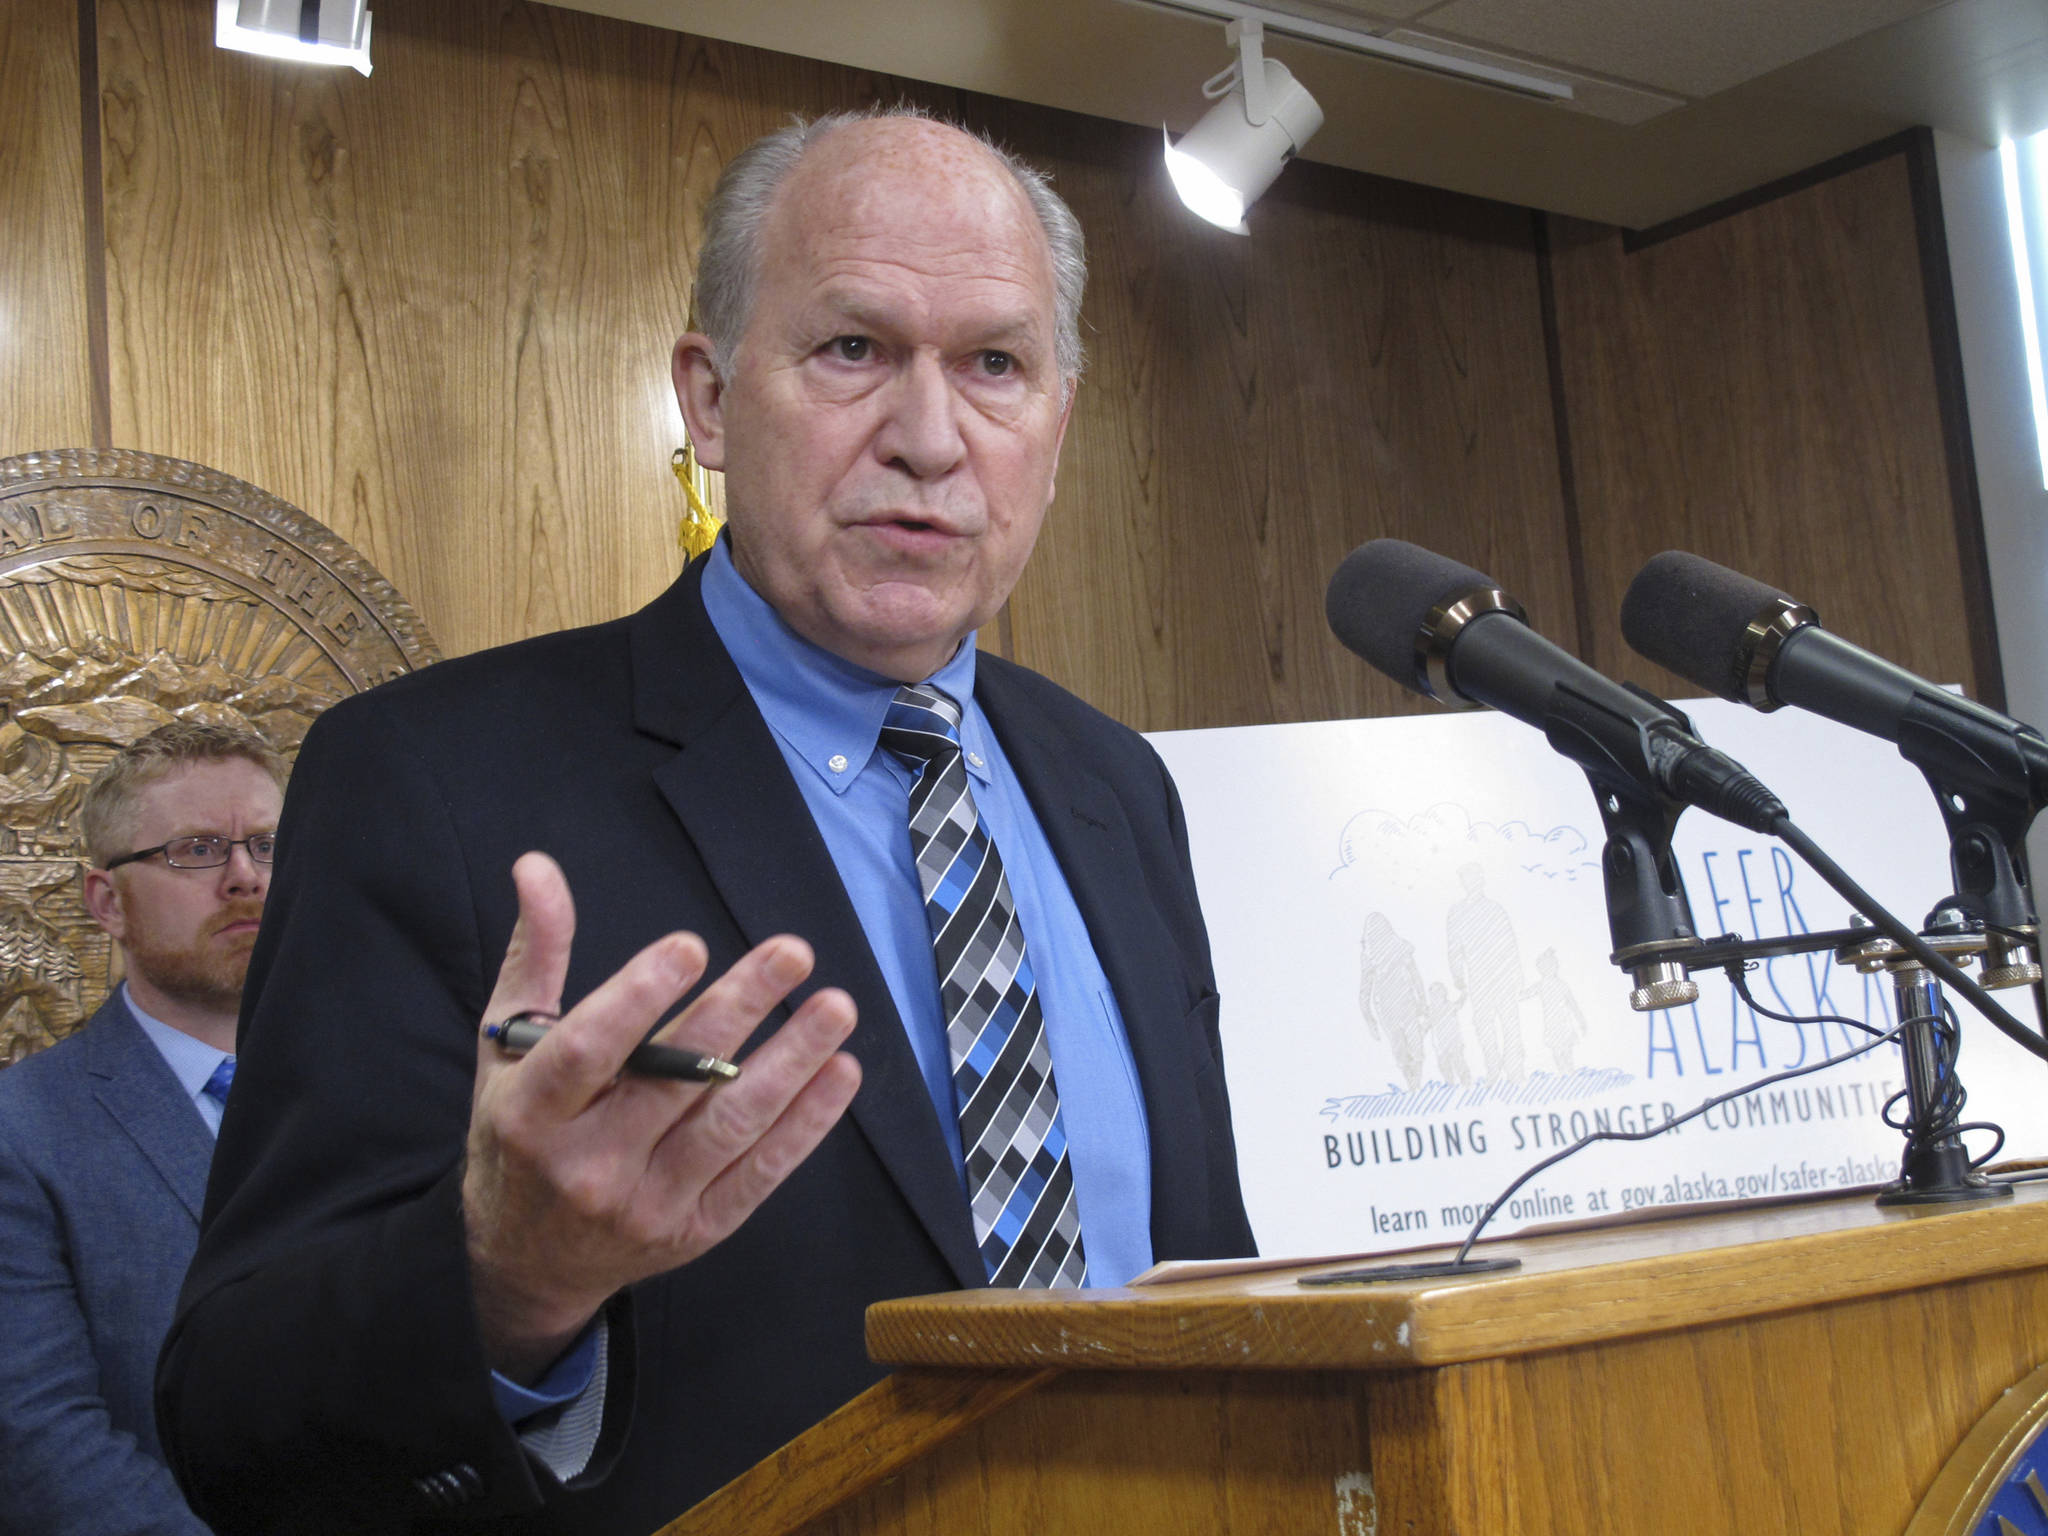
(1411, 943)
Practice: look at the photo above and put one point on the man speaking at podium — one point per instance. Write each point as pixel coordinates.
(439, 1281)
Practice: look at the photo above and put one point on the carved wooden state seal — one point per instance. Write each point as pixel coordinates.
(135, 590)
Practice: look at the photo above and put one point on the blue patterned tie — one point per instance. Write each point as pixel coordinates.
(223, 1079)
(1019, 1182)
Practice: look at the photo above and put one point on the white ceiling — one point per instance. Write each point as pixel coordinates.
(1678, 103)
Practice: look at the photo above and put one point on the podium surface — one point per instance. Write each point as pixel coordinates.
(1806, 1368)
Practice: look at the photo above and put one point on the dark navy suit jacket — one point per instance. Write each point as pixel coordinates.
(102, 1169)
(325, 1370)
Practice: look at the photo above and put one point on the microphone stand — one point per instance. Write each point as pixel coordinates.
(1983, 783)
(1648, 916)
(1985, 778)
(1935, 1169)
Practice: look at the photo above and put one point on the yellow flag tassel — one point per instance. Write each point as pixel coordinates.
(698, 530)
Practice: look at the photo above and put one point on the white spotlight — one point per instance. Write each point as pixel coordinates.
(306, 31)
(1262, 117)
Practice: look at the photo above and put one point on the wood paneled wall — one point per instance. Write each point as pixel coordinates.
(1369, 363)
(1762, 390)
(433, 308)
(45, 355)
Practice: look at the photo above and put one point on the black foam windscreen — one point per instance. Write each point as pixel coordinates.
(1382, 596)
(1690, 615)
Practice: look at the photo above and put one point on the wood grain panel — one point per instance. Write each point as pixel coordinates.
(1822, 1418)
(1828, 1423)
(895, 1422)
(1761, 391)
(1370, 363)
(386, 301)
(1571, 1289)
(432, 307)
(1250, 1455)
(45, 371)
(1438, 1441)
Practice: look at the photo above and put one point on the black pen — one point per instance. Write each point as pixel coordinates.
(523, 1031)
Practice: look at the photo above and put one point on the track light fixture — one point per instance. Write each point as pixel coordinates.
(307, 31)
(1262, 117)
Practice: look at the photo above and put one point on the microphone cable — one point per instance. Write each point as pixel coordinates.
(1675, 1121)
(1944, 1116)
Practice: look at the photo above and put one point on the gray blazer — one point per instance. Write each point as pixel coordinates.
(103, 1164)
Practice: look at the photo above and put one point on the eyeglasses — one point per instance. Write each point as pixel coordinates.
(204, 852)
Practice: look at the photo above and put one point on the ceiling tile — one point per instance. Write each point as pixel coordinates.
(1689, 50)
(1600, 98)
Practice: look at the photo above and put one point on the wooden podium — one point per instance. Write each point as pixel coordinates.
(1805, 1369)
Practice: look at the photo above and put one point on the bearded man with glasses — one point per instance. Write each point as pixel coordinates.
(106, 1137)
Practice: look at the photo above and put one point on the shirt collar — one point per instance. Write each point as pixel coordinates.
(827, 709)
(192, 1061)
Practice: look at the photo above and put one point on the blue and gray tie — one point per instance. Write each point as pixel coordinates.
(1020, 1184)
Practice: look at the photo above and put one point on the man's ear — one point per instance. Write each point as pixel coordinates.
(701, 394)
(1072, 388)
(103, 901)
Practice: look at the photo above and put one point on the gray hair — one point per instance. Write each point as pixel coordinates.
(730, 259)
(182, 743)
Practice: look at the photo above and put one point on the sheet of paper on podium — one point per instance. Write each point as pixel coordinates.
(1411, 943)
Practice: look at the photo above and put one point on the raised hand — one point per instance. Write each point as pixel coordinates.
(580, 1181)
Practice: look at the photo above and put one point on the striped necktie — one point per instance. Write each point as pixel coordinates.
(1020, 1184)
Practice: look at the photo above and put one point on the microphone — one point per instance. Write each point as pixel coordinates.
(1447, 631)
(1752, 644)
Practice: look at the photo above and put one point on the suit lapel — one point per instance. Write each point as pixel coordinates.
(731, 789)
(133, 1084)
(1091, 837)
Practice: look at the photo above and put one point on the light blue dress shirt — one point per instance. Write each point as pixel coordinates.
(191, 1061)
(826, 716)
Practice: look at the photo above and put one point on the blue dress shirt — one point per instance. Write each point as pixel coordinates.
(192, 1061)
(826, 716)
